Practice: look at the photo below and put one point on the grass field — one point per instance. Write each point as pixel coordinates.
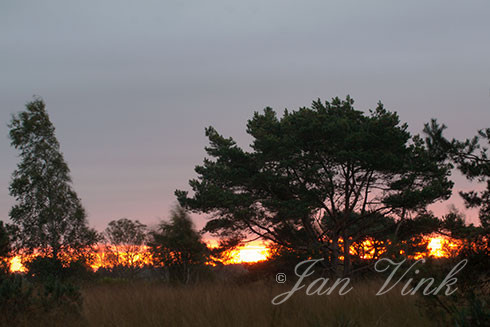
(149, 304)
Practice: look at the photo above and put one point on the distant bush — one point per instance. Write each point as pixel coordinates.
(42, 269)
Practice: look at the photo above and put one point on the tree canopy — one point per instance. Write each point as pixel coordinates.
(177, 246)
(125, 232)
(4, 249)
(125, 238)
(471, 158)
(316, 176)
(48, 215)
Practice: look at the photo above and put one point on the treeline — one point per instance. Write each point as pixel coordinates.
(317, 182)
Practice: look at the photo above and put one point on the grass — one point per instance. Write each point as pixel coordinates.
(153, 304)
(144, 303)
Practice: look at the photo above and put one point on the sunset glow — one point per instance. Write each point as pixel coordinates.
(442, 247)
(249, 253)
(16, 264)
(437, 247)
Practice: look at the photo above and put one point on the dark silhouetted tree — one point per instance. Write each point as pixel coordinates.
(48, 214)
(315, 176)
(125, 239)
(4, 249)
(471, 158)
(178, 247)
(473, 161)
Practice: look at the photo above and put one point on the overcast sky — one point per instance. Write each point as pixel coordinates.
(131, 85)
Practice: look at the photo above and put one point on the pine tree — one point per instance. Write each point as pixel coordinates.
(48, 215)
(316, 176)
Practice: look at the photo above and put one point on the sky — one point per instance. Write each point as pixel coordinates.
(131, 85)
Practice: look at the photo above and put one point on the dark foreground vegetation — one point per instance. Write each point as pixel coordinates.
(234, 296)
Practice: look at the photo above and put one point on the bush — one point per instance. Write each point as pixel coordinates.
(42, 269)
(23, 302)
(15, 298)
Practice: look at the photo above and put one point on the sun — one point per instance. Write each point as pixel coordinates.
(16, 264)
(249, 253)
(252, 254)
(442, 246)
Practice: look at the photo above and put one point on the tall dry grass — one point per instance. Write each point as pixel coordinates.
(221, 305)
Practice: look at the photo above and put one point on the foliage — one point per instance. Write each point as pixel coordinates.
(48, 215)
(4, 241)
(124, 239)
(178, 247)
(470, 307)
(316, 176)
(475, 313)
(125, 231)
(42, 269)
(223, 252)
(26, 303)
(472, 159)
(477, 166)
(15, 296)
(4, 249)
(45, 268)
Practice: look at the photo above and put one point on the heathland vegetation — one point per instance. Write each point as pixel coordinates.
(323, 182)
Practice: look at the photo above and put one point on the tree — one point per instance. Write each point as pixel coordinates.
(48, 215)
(125, 240)
(317, 178)
(4, 241)
(473, 161)
(178, 247)
(471, 158)
(4, 249)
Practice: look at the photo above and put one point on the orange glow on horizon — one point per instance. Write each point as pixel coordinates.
(440, 247)
(16, 264)
(437, 247)
(249, 253)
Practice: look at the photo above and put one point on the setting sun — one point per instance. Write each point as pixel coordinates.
(16, 264)
(249, 253)
(435, 247)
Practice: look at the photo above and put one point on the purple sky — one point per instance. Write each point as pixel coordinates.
(130, 87)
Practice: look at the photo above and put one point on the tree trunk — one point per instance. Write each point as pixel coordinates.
(335, 256)
(346, 255)
(56, 252)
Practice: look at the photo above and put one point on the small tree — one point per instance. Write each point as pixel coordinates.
(125, 239)
(178, 247)
(48, 216)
